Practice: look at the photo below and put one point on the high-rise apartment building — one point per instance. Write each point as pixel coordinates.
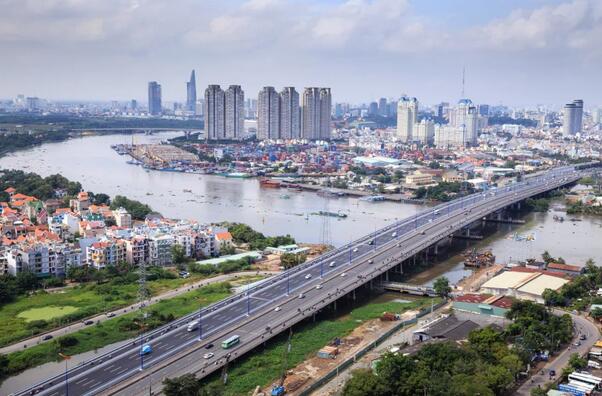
(424, 132)
(290, 121)
(154, 98)
(215, 110)
(268, 114)
(235, 112)
(572, 121)
(407, 117)
(191, 93)
(316, 113)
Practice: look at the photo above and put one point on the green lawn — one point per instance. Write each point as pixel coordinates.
(42, 311)
(264, 367)
(114, 330)
(46, 313)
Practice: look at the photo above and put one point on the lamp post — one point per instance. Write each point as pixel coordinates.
(66, 358)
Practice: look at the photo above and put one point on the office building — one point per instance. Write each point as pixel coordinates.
(191, 93)
(465, 116)
(383, 108)
(134, 105)
(484, 110)
(316, 113)
(154, 98)
(373, 108)
(572, 121)
(290, 121)
(235, 116)
(597, 115)
(215, 128)
(407, 116)
(268, 114)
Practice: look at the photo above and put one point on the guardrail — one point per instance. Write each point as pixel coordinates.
(557, 174)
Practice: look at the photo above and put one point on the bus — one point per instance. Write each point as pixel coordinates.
(586, 378)
(230, 342)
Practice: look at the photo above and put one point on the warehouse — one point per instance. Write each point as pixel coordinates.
(522, 285)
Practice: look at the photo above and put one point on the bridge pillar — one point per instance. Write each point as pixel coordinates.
(386, 276)
(436, 249)
(353, 294)
(518, 205)
(414, 258)
(335, 304)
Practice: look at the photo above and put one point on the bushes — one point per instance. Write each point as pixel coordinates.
(242, 233)
(137, 209)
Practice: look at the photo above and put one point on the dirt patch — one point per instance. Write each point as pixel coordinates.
(314, 367)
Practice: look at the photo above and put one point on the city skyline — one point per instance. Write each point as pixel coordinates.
(515, 53)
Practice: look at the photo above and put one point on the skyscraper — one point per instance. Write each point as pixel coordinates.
(268, 114)
(373, 108)
(235, 112)
(290, 121)
(316, 113)
(215, 128)
(383, 109)
(572, 121)
(191, 93)
(407, 117)
(154, 98)
(424, 132)
(472, 126)
(325, 113)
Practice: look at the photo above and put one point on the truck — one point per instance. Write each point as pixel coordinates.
(277, 391)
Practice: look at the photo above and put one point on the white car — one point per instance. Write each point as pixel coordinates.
(301, 295)
(277, 309)
(344, 274)
(370, 261)
(308, 276)
(208, 355)
(319, 287)
(355, 250)
(394, 234)
(332, 264)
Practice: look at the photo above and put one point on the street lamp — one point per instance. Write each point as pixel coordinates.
(66, 358)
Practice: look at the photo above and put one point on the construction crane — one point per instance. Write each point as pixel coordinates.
(279, 390)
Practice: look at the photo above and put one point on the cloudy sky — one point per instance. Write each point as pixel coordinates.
(516, 52)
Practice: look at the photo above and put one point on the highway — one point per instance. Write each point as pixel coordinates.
(287, 298)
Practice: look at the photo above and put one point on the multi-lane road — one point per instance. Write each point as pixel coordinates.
(273, 306)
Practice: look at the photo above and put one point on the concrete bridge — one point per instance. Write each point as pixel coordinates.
(288, 298)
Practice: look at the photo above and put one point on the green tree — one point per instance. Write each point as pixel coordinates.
(596, 313)
(442, 287)
(290, 260)
(364, 383)
(178, 254)
(185, 385)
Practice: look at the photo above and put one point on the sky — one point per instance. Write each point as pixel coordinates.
(517, 53)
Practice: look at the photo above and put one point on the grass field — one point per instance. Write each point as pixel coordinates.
(114, 330)
(46, 313)
(42, 311)
(264, 367)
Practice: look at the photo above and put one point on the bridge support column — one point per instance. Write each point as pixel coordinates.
(436, 249)
(353, 294)
(518, 205)
(414, 259)
(386, 276)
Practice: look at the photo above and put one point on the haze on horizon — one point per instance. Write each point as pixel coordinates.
(515, 52)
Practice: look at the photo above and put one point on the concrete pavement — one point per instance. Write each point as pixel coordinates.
(76, 326)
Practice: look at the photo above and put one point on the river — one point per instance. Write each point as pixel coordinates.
(91, 161)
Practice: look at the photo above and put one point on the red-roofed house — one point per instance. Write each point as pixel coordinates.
(572, 270)
(224, 239)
